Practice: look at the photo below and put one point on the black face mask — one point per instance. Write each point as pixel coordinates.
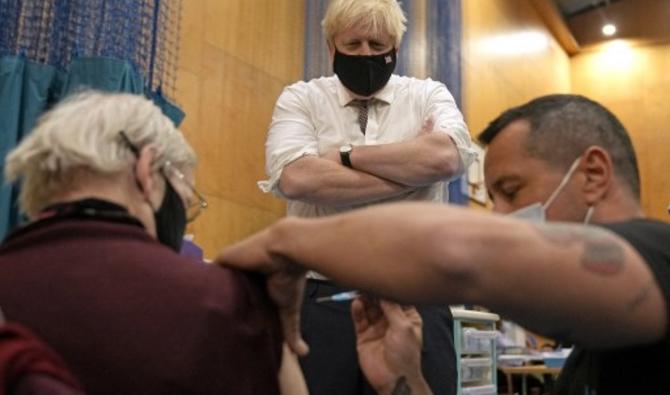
(171, 219)
(364, 75)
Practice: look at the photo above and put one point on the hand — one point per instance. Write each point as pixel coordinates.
(285, 280)
(389, 340)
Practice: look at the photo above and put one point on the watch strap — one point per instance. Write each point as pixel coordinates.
(345, 158)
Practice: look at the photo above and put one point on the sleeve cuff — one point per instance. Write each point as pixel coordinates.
(272, 184)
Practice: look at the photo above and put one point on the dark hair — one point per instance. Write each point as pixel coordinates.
(562, 127)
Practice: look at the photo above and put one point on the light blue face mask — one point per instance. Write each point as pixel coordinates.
(537, 212)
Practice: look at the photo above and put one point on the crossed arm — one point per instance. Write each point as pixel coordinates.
(318, 180)
(573, 282)
(380, 171)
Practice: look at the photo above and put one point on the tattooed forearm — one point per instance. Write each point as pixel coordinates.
(602, 254)
(401, 387)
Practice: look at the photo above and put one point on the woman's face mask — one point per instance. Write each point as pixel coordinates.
(171, 219)
(537, 212)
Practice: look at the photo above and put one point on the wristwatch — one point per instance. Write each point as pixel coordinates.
(345, 153)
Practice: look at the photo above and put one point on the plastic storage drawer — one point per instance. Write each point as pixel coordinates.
(480, 390)
(475, 369)
(477, 341)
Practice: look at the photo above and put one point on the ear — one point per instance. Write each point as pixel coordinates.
(146, 179)
(331, 50)
(598, 170)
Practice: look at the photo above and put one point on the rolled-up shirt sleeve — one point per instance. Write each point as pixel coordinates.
(448, 119)
(291, 136)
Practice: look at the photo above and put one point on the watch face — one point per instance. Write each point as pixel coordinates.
(346, 148)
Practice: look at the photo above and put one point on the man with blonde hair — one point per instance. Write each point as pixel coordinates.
(363, 136)
(107, 183)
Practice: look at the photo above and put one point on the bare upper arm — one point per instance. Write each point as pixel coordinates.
(291, 379)
(580, 283)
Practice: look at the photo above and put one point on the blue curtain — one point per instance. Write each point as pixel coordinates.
(50, 48)
(431, 48)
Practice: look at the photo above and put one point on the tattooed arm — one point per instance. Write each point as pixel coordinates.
(584, 284)
(570, 281)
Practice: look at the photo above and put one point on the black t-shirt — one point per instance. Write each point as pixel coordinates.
(638, 370)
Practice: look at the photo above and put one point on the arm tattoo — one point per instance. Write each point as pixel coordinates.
(602, 255)
(401, 387)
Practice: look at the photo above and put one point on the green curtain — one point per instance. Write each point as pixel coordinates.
(28, 88)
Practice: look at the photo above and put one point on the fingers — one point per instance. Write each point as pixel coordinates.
(285, 280)
(412, 313)
(372, 310)
(358, 315)
(393, 311)
(294, 339)
(365, 312)
(248, 254)
(286, 290)
(399, 315)
(289, 312)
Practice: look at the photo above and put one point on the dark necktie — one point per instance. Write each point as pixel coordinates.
(362, 106)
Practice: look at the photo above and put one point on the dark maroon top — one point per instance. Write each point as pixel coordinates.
(27, 363)
(129, 316)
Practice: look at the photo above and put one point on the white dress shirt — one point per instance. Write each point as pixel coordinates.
(312, 118)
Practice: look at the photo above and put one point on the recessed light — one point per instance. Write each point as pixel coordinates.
(609, 29)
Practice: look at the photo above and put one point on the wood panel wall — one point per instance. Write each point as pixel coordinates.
(235, 57)
(509, 56)
(634, 82)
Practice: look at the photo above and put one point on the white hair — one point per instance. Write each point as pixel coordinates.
(378, 17)
(84, 131)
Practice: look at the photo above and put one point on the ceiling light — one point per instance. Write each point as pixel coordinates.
(609, 29)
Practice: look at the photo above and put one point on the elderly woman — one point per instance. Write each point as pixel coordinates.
(107, 184)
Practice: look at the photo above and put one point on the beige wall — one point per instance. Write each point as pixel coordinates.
(634, 82)
(235, 57)
(509, 57)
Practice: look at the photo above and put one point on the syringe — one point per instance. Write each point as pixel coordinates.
(340, 297)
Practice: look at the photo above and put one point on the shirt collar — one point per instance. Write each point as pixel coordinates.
(385, 95)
